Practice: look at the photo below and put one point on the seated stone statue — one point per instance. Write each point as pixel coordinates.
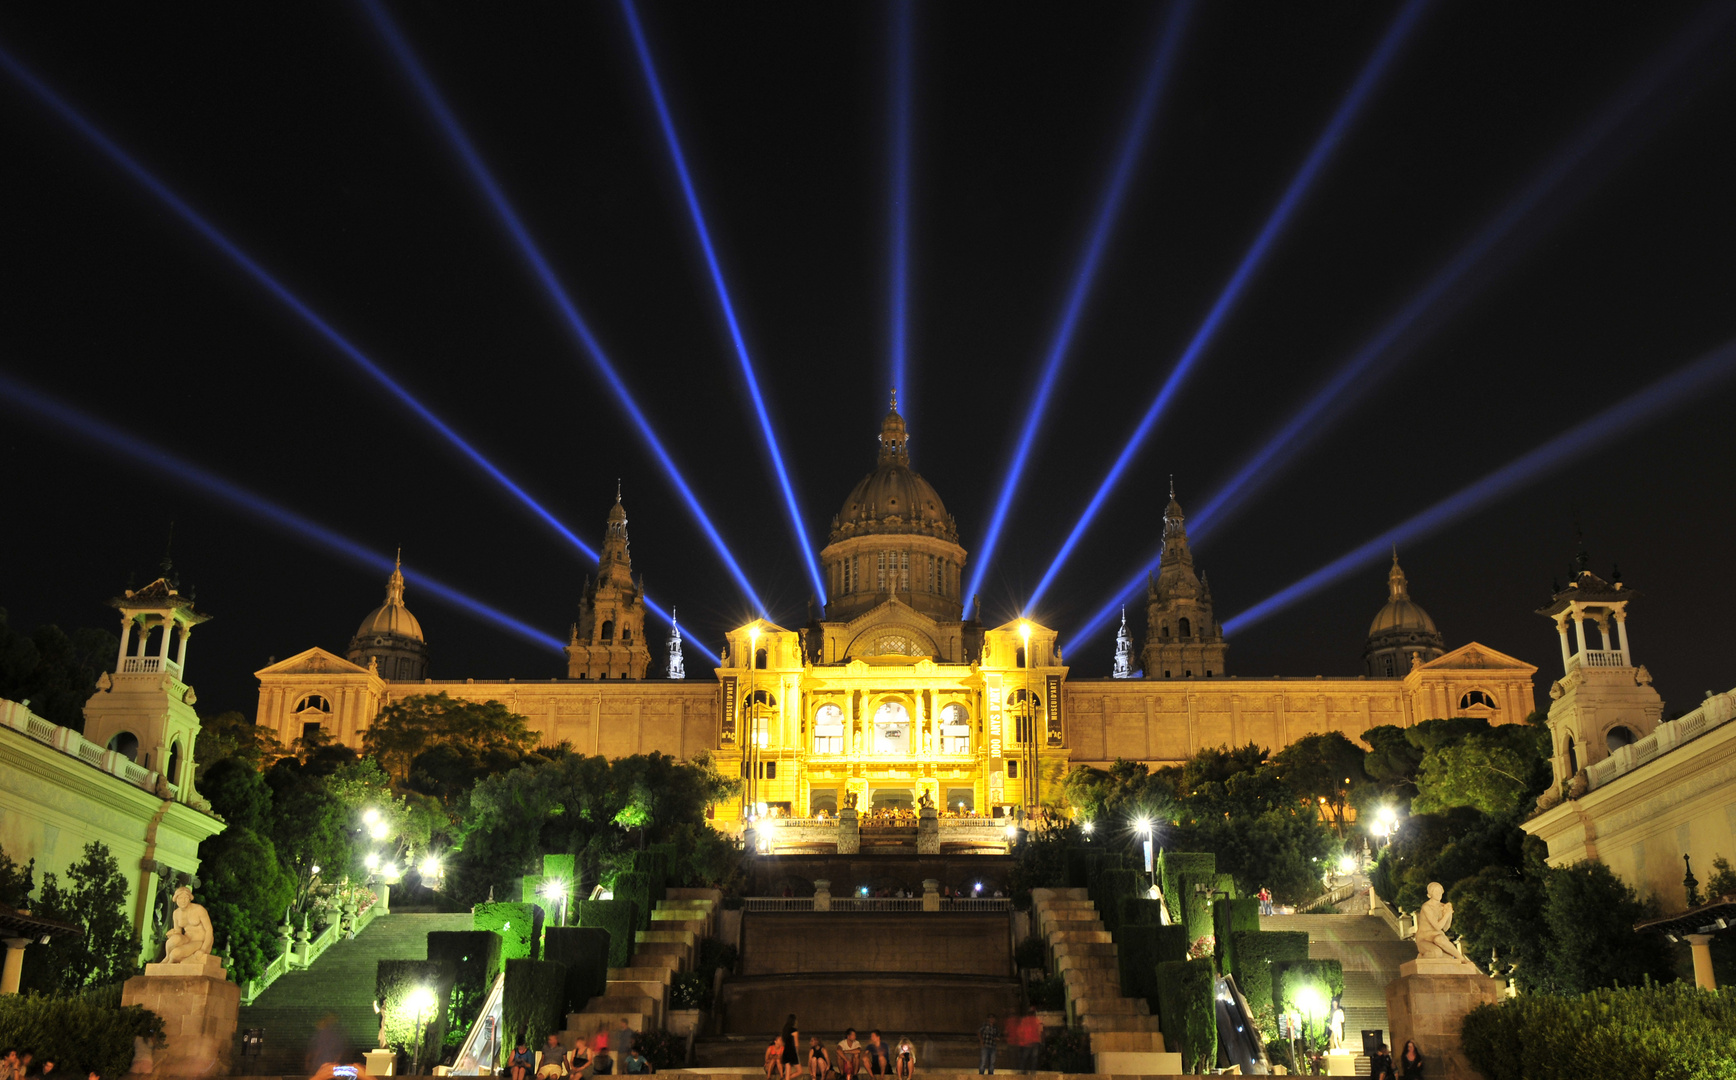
(1434, 919)
(192, 937)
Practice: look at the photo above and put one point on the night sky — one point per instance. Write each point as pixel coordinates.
(292, 128)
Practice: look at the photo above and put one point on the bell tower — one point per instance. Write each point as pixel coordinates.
(608, 641)
(1603, 700)
(1182, 638)
(144, 710)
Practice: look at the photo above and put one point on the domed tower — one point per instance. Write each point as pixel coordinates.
(609, 638)
(1182, 638)
(1401, 634)
(893, 538)
(391, 636)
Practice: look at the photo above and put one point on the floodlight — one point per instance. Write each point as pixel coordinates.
(430, 867)
(370, 816)
(1088, 826)
(380, 830)
(372, 862)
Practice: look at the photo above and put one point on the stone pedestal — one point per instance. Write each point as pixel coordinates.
(928, 832)
(381, 1062)
(822, 894)
(931, 894)
(1427, 1003)
(199, 1007)
(849, 832)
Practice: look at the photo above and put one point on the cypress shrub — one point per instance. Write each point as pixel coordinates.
(1111, 888)
(394, 983)
(78, 1034)
(519, 926)
(585, 952)
(1255, 952)
(1137, 911)
(1229, 918)
(1654, 1032)
(1171, 867)
(636, 887)
(531, 1000)
(1187, 1012)
(619, 917)
(1139, 948)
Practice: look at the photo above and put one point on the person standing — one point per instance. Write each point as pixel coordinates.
(1265, 900)
(1033, 1040)
(989, 1039)
(791, 1058)
(1410, 1062)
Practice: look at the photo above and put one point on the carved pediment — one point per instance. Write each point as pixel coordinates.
(1475, 657)
(315, 661)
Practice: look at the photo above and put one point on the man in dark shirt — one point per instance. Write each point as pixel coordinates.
(989, 1038)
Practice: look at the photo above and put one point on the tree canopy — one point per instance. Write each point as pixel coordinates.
(454, 742)
(53, 670)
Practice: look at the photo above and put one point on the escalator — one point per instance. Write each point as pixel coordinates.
(1238, 1039)
(481, 1052)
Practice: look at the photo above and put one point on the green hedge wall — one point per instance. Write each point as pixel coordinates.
(636, 887)
(1085, 861)
(79, 1035)
(1111, 888)
(530, 1003)
(1171, 867)
(1255, 952)
(1636, 1033)
(475, 958)
(519, 926)
(1138, 911)
(1322, 978)
(1187, 1013)
(1139, 948)
(394, 981)
(585, 952)
(1229, 918)
(673, 877)
(619, 917)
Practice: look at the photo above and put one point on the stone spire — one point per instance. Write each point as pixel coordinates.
(614, 563)
(1123, 650)
(1395, 579)
(1182, 638)
(395, 583)
(610, 642)
(677, 667)
(894, 440)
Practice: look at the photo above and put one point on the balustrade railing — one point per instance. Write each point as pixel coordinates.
(874, 903)
(1600, 658)
(18, 717)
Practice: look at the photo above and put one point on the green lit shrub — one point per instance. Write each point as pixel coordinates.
(1111, 888)
(619, 917)
(475, 958)
(1186, 1012)
(636, 887)
(78, 1034)
(531, 1001)
(518, 924)
(1229, 918)
(408, 989)
(584, 950)
(1171, 867)
(690, 990)
(1139, 948)
(1669, 1032)
(1255, 952)
(1307, 987)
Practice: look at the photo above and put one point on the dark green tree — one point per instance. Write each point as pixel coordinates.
(1590, 915)
(413, 726)
(94, 899)
(16, 882)
(1499, 771)
(53, 670)
(1322, 769)
(247, 893)
(232, 734)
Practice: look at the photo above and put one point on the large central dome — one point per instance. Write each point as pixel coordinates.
(894, 499)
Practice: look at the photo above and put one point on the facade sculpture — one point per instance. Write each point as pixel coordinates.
(191, 938)
(1433, 921)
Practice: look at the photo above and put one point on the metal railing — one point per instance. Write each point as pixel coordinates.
(875, 903)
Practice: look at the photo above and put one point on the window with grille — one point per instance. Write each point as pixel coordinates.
(829, 730)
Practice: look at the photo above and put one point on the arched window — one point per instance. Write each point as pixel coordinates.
(314, 702)
(174, 773)
(1186, 627)
(954, 730)
(608, 629)
(1572, 757)
(1618, 737)
(891, 729)
(126, 744)
(829, 731)
(1019, 657)
(626, 635)
(1163, 630)
(1474, 698)
(1386, 662)
(1027, 709)
(762, 697)
(759, 659)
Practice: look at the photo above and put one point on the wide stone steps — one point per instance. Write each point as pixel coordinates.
(638, 995)
(1085, 956)
(1370, 953)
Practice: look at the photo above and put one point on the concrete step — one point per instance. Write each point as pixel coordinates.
(1127, 1042)
(1107, 964)
(1079, 937)
(1110, 1005)
(1066, 905)
(656, 991)
(714, 895)
(1085, 948)
(668, 955)
(1040, 895)
(659, 975)
(649, 1010)
(1096, 1022)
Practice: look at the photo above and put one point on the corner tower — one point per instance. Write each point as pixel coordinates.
(608, 641)
(390, 637)
(1402, 634)
(893, 539)
(1182, 637)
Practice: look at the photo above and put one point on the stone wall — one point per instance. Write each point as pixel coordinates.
(857, 943)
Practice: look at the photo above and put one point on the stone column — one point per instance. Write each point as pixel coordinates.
(931, 894)
(822, 894)
(14, 965)
(1699, 944)
(928, 832)
(1561, 628)
(849, 832)
(1579, 632)
(1428, 1003)
(1621, 637)
(181, 652)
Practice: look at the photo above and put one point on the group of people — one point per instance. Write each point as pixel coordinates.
(1409, 1065)
(786, 1058)
(586, 1058)
(21, 1065)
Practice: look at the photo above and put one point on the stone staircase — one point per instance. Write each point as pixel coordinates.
(340, 985)
(1370, 953)
(1125, 1037)
(638, 995)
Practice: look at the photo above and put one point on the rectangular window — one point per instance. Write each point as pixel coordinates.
(1012, 769)
(310, 731)
(904, 571)
(880, 573)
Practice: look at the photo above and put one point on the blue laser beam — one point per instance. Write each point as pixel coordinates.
(1685, 386)
(1461, 277)
(673, 141)
(899, 162)
(137, 452)
(1151, 91)
(145, 178)
(1312, 166)
(546, 277)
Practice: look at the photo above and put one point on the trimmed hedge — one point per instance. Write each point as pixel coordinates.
(1140, 947)
(619, 917)
(636, 887)
(1084, 862)
(1668, 1032)
(1229, 918)
(79, 1035)
(585, 952)
(1111, 888)
(394, 981)
(1138, 911)
(1187, 1012)
(519, 926)
(475, 958)
(1255, 952)
(1171, 867)
(1323, 978)
(530, 1002)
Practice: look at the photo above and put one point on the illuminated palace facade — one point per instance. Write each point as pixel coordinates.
(892, 695)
